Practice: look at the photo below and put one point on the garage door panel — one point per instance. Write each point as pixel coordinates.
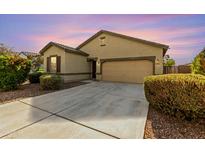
(127, 71)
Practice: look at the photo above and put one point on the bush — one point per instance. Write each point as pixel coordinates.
(34, 77)
(198, 64)
(51, 82)
(181, 95)
(13, 71)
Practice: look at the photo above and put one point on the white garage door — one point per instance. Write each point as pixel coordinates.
(127, 71)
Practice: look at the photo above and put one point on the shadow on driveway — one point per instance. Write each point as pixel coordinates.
(112, 109)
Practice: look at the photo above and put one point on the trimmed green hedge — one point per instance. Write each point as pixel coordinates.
(181, 95)
(34, 77)
(50, 82)
(198, 64)
(13, 71)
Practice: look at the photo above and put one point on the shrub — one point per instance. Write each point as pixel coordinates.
(13, 71)
(181, 95)
(34, 77)
(8, 81)
(198, 64)
(50, 82)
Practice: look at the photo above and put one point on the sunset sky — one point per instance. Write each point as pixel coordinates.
(185, 34)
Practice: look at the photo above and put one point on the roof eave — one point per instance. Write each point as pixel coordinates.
(165, 50)
(77, 52)
(45, 48)
(89, 39)
(166, 47)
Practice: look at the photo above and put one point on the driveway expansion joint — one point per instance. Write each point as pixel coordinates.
(111, 110)
(25, 126)
(56, 114)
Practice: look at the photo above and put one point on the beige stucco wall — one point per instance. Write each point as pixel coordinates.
(70, 63)
(55, 51)
(117, 47)
(69, 78)
(77, 64)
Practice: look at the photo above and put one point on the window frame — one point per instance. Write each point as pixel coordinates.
(58, 64)
(56, 57)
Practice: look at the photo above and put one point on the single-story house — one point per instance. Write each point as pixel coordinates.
(25, 54)
(106, 56)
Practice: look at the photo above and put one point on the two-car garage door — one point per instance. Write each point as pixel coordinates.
(127, 71)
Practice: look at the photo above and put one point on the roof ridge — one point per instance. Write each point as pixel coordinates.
(62, 44)
(121, 35)
(65, 47)
(134, 37)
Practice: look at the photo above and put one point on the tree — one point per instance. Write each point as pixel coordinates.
(198, 64)
(5, 49)
(13, 71)
(168, 61)
(36, 63)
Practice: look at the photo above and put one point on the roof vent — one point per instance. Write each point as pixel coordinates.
(102, 41)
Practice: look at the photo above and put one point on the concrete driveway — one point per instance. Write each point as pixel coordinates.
(94, 110)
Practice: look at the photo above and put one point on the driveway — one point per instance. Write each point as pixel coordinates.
(94, 110)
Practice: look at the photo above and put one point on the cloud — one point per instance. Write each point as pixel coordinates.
(183, 33)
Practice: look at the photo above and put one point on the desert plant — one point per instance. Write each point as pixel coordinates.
(13, 71)
(181, 95)
(50, 82)
(198, 64)
(34, 77)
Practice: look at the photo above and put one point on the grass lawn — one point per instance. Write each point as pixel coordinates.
(30, 90)
(163, 126)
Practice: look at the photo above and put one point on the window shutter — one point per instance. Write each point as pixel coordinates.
(58, 64)
(48, 64)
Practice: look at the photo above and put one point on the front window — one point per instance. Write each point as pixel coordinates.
(53, 64)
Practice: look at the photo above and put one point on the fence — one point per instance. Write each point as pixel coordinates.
(177, 69)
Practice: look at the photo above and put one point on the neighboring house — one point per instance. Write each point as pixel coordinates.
(24, 54)
(36, 60)
(106, 56)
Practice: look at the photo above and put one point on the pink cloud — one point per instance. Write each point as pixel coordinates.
(75, 35)
(180, 40)
(42, 40)
(164, 34)
(71, 36)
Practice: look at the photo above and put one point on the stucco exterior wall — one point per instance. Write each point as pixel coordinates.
(77, 64)
(69, 78)
(73, 67)
(118, 47)
(55, 51)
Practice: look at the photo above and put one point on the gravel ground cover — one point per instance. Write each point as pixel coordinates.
(163, 126)
(30, 90)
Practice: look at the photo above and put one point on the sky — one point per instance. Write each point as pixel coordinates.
(185, 34)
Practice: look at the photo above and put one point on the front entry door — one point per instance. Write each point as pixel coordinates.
(94, 69)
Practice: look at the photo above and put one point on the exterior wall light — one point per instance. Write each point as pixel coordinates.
(98, 62)
(157, 61)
